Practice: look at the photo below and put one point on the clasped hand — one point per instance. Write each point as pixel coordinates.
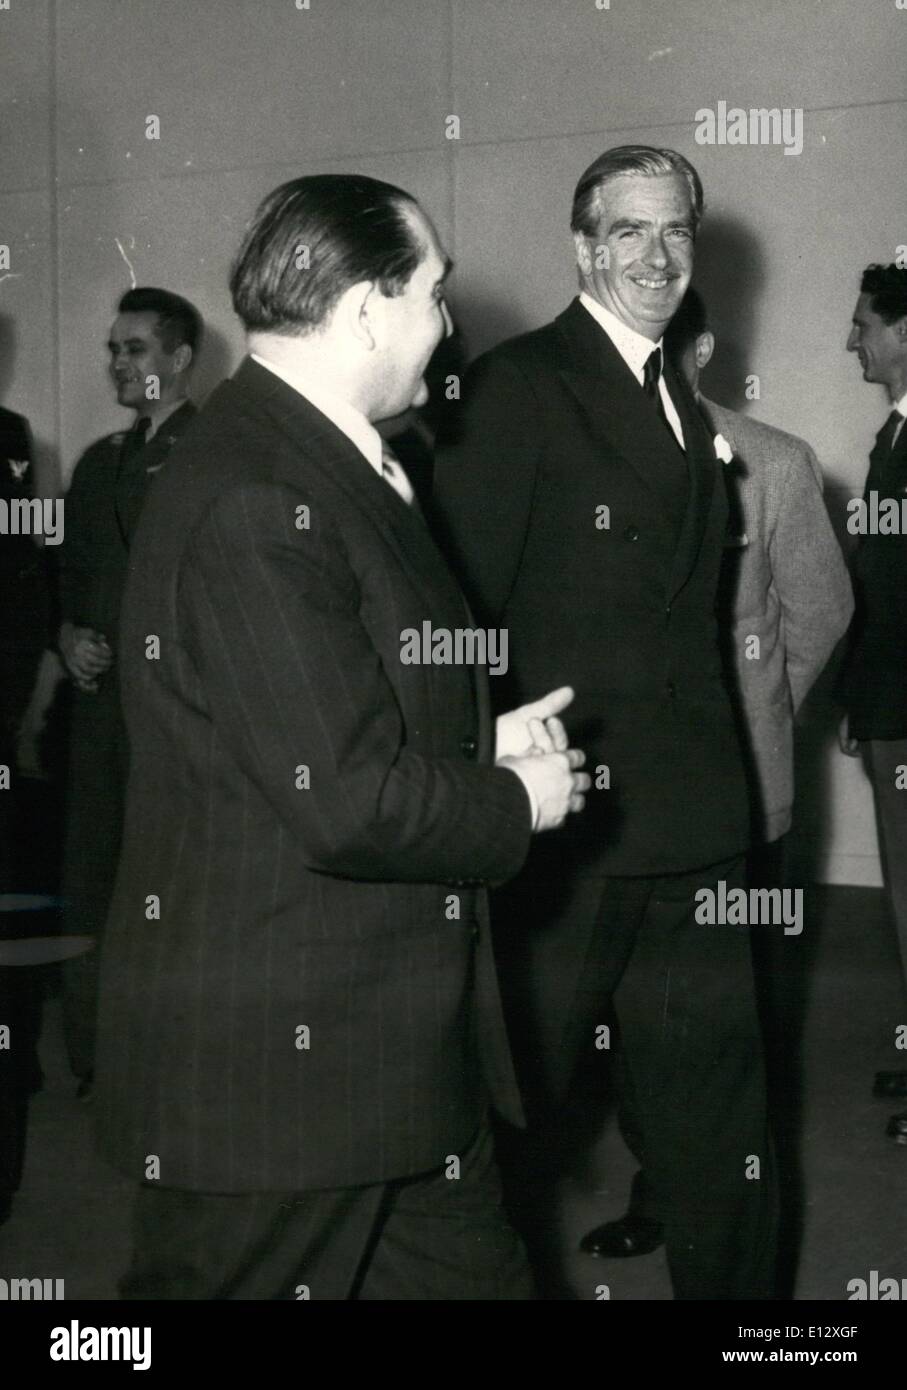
(532, 742)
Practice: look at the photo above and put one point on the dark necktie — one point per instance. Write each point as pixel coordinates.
(134, 441)
(651, 375)
(885, 436)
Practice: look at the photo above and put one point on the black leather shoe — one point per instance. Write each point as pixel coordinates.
(890, 1085)
(897, 1128)
(631, 1235)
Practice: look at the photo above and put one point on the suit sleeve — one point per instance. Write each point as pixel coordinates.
(78, 552)
(270, 618)
(484, 482)
(810, 575)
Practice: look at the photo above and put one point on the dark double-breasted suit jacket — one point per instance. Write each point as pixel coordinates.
(316, 1003)
(574, 521)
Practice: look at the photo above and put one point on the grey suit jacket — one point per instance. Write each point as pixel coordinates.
(787, 585)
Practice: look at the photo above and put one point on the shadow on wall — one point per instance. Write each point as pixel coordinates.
(216, 360)
(46, 452)
(730, 276)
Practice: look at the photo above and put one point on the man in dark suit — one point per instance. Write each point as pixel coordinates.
(25, 607)
(874, 681)
(785, 600)
(300, 1024)
(583, 505)
(153, 344)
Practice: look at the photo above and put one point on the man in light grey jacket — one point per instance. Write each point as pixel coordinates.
(787, 590)
(786, 600)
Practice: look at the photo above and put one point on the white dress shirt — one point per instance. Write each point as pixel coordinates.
(635, 349)
(350, 421)
(901, 407)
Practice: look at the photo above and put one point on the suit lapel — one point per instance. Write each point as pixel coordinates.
(613, 401)
(888, 471)
(703, 470)
(621, 416)
(327, 449)
(132, 482)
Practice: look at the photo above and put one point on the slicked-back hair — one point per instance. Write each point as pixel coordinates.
(687, 324)
(178, 321)
(628, 159)
(311, 239)
(887, 287)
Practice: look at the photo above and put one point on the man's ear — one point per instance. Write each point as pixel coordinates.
(583, 255)
(705, 346)
(182, 358)
(900, 328)
(357, 311)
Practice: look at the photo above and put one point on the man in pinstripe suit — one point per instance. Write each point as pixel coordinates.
(300, 1031)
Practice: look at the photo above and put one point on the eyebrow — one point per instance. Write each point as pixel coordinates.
(631, 222)
(127, 342)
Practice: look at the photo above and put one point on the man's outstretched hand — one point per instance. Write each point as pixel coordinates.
(533, 728)
(532, 742)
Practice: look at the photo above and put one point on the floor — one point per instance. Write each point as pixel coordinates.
(70, 1220)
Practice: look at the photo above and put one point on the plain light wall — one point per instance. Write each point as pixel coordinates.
(252, 92)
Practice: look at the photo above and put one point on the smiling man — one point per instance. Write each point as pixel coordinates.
(582, 503)
(151, 353)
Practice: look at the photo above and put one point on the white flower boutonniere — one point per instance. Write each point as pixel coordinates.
(723, 450)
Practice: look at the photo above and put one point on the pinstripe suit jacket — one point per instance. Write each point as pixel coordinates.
(303, 1012)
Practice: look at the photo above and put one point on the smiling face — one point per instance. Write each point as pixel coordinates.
(639, 262)
(136, 355)
(880, 346)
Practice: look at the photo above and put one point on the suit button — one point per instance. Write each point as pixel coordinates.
(469, 746)
(671, 689)
(631, 533)
(668, 611)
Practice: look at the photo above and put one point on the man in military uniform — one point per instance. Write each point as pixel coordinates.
(153, 345)
(24, 633)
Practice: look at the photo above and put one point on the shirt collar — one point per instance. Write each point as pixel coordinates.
(901, 405)
(633, 347)
(350, 421)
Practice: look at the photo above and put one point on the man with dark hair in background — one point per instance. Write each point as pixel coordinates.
(584, 507)
(152, 349)
(874, 681)
(300, 1030)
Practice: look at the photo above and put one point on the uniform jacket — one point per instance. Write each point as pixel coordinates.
(317, 1004)
(101, 512)
(25, 606)
(102, 509)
